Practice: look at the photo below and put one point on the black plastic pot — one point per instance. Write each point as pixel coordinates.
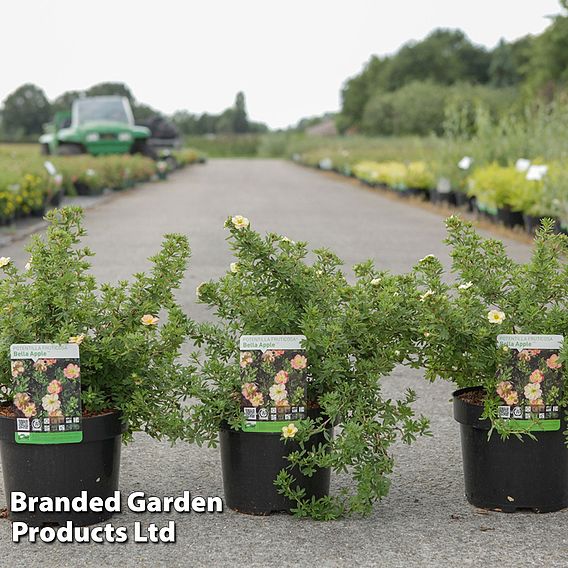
(511, 474)
(448, 197)
(510, 218)
(63, 470)
(40, 211)
(57, 198)
(86, 190)
(462, 200)
(532, 223)
(252, 460)
(417, 192)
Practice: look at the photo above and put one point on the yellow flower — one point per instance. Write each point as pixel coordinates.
(240, 222)
(234, 267)
(78, 339)
(289, 431)
(4, 260)
(149, 319)
(375, 281)
(495, 316)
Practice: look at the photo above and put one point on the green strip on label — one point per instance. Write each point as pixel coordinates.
(540, 426)
(272, 426)
(48, 437)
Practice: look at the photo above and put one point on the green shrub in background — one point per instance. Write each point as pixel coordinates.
(226, 145)
(416, 108)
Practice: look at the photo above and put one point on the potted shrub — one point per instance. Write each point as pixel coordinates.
(495, 188)
(130, 379)
(419, 179)
(508, 464)
(162, 169)
(355, 334)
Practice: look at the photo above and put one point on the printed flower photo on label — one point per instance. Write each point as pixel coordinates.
(47, 390)
(274, 380)
(531, 380)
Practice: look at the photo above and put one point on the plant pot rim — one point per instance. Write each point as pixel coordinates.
(99, 427)
(470, 414)
(467, 413)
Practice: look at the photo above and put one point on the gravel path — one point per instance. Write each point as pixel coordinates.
(424, 522)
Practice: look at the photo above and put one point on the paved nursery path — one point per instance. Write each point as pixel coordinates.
(425, 521)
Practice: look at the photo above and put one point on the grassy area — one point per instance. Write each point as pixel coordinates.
(226, 145)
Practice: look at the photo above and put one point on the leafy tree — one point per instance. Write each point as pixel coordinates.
(226, 122)
(257, 127)
(143, 112)
(378, 115)
(64, 101)
(240, 119)
(102, 89)
(25, 110)
(207, 123)
(445, 57)
(509, 62)
(358, 90)
(416, 108)
(548, 64)
(185, 122)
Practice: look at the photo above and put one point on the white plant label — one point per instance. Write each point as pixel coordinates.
(536, 173)
(465, 163)
(522, 164)
(444, 185)
(51, 169)
(265, 342)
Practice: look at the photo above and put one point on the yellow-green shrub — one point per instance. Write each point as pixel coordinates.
(419, 176)
(499, 186)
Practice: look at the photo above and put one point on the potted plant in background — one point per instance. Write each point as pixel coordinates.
(355, 334)
(497, 190)
(419, 179)
(508, 464)
(130, 336)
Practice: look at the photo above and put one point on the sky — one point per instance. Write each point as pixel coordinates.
(290, 58)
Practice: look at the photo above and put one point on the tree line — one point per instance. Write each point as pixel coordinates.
(27, 109)
(409, 92)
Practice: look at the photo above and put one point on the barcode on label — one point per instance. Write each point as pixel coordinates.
(504, 412)
(23, 424)
(250, 413)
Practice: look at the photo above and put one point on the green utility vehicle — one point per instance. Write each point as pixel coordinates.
(96, 125)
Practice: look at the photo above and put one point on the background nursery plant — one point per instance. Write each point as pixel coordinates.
(356, 333)
(492, 295)
(129, 333)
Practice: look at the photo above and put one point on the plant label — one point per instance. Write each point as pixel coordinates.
(444, 185)
(51, 169)
(530, 381)
(273, 381)
(536, 173)
(522, 164)
(46, 384)
(465, 163)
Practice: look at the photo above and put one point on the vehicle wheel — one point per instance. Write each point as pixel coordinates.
(45, 150)
(69, 150)
(142, 147)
